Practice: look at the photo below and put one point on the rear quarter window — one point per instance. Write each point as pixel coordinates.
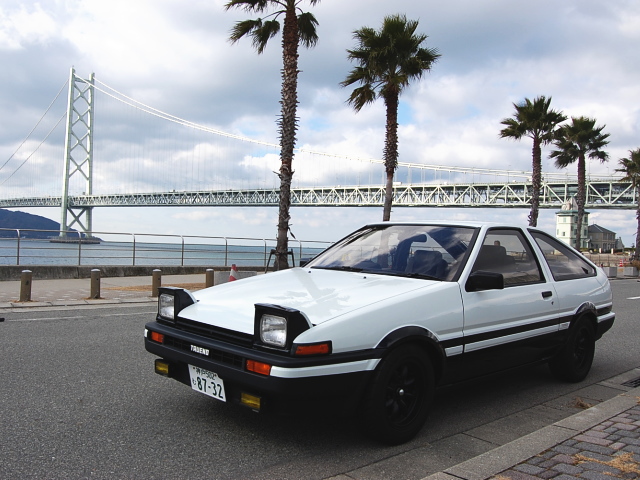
(564, 263)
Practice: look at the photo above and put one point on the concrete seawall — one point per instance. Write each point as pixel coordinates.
(52, 272)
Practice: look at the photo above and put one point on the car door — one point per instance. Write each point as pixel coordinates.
(513, 325)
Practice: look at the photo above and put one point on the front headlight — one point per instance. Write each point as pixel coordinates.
(166, 306)
(171, 301)
(273, 330)
(276, 327)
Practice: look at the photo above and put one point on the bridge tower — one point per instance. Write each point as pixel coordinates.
(78, 152)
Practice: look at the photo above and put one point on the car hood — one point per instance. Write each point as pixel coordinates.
(320, 295)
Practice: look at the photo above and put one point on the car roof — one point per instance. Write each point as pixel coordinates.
(461, 223)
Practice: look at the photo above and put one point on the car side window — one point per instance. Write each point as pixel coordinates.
(564, 263)
(507, 252)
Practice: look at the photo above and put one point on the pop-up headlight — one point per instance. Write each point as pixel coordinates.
(166, 306)
(277, 327)
(171, 301)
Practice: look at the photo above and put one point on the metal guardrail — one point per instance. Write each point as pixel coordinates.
(48, 247)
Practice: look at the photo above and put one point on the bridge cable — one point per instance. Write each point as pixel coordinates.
(36, 149)
(36, 126)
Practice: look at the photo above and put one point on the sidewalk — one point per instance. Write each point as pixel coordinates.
(65, 292)
(600, 443)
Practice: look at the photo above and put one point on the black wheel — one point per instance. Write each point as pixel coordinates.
(573, 362)
(397, 401)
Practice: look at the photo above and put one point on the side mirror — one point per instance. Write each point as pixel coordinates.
(481, 280)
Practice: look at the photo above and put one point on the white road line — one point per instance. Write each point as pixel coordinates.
(633, 298)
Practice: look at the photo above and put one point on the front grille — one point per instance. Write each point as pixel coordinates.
(212, 332)
(223, 357)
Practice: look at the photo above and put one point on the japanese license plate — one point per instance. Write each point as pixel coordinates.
(207, 382)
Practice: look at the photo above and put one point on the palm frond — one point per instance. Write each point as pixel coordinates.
(307, 31)
(242, 28)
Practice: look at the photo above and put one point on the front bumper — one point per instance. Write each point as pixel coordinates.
(294, 384)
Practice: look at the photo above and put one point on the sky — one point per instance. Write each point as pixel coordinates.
(176, 57)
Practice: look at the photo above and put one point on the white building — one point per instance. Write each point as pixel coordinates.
(567, 225)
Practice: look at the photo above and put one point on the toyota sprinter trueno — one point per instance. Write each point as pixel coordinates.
(376, 322)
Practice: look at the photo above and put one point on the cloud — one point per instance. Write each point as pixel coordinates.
(176, 57)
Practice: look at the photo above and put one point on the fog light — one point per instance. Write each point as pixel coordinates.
(250, 401)
(162, 367)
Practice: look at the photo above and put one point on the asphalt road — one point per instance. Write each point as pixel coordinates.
(79, 399)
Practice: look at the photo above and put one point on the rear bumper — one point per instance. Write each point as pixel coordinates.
(295, 384)
(605, 322)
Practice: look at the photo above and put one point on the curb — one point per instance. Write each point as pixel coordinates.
(503, 458)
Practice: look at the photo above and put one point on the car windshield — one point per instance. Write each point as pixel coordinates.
(434, 252)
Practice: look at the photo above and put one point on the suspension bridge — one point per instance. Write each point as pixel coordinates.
(92, 156)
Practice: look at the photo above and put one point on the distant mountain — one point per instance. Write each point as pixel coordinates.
(26, 221)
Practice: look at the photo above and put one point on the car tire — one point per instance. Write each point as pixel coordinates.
(573, 362)
(398, 399)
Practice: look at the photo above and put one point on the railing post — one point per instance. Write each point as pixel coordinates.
(25, 286)
(182, 255)
(156, 281)
(95, 283)
(18, 248)
(133, 252)
(264, 260)
(79, 248)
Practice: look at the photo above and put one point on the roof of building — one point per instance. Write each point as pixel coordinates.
(598, 229)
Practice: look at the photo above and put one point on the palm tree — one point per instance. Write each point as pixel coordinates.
(631, 169)
(536, 121)
(577, 141)
(388, 60)
(299, 28)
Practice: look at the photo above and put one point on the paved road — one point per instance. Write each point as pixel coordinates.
(79, 399)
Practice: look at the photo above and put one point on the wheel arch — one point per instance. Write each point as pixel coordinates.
(422, 337)
(586, 310)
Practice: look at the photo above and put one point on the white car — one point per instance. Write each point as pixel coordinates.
(373, 324)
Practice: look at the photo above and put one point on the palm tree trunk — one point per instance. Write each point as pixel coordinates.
(390, 150)
(636, 255)
(580, 198)
(536, 182)
(287, 121)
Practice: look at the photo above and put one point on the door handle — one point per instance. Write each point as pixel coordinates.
(546, 294)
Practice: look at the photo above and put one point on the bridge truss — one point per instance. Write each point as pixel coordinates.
(601, 194)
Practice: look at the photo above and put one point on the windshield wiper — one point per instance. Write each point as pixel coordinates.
(342, 268)
(422, 276)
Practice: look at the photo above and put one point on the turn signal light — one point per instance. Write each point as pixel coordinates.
(258, 367)
(315, 349)
(157, 337)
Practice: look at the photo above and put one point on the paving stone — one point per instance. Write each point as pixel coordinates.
(548, 474)
(530, 469)
(625, 426)
(596, 434)
(564, 448)
(590, 447)
(596, 476)
(596, 441)
(570, 469)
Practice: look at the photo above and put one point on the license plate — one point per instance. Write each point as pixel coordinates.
(207, 382)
